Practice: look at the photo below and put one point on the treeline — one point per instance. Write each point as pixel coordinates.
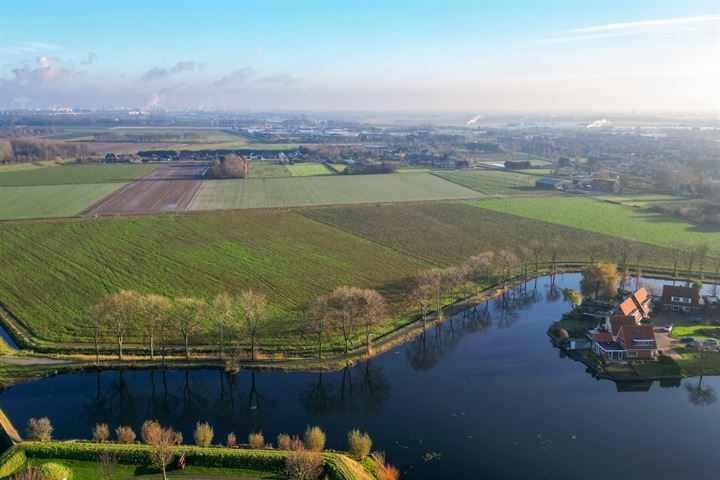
(368, 168)
(181, 137)
(230, 166)
(19, 132)
(31, 150)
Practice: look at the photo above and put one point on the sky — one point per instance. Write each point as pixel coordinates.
(342, 55)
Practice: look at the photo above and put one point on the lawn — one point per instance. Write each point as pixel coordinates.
(309, 169)
(680, 331)
(609, 219)
(492, 182)
(48, 201)
(75, 174)
(324, 190)
(52, 271)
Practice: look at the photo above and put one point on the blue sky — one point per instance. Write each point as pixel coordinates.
(347, 55)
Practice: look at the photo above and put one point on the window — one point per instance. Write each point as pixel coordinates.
(681, 299)
(632, 354)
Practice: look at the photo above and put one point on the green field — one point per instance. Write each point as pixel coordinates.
(324, 190)
(260, 169)
(492, 182)
(75, 174)
(309, 169)
(52, 271)
(48, 201)
(641, 200)
(447, 233)
(609, 219)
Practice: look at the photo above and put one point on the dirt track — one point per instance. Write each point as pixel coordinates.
(170, 188)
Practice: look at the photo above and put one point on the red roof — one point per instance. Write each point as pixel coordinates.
(629, 336)
(602, 337)
(617, 321)
(670, 291)
(642, 300)
(629, 309)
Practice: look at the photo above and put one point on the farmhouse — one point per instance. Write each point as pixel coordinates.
(549, 183)
(632, 342)
(628, 308)
(604, 185)
(643, 301)
(681, 299)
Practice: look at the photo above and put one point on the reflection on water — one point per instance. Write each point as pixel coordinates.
(482, 395)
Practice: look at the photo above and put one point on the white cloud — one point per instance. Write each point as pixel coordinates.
(624, 29)
(46, 71)
(158, 72)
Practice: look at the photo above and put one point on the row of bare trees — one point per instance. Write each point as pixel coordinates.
(160, 321)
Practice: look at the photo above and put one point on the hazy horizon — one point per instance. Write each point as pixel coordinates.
(502, 58)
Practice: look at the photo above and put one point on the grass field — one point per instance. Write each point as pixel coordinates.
(52, 271)
(492, 182)
(268, 170)
(48, 201)
(324, 190)
(609, 219)
(309, 169)
(641, 200)
(75, 174)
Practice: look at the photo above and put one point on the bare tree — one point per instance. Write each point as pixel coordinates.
(481, 268)
(689, 256)
(623, 248)
(506, 261)
(524, 255)
(253, 311)
(343, 303)
(676, 253)
(162, 449)
(223, 309)
(701, 252)
(318, 320)
(555, 245)
(422, 293)
(156, 310)
(536, 247)
(372, 313)
(188, 315)
(95, 318)
(118, 311)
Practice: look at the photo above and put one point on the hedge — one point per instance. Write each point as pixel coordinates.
(11, 461)
(337, 466)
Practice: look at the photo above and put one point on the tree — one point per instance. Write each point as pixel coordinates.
(600, 280)
(39, 429)
(95, 317)
(162, 449)
(623, 248)
(253, 312)
(303, 465)
(676, 253)
(480, 267)
(203, 434)
(507, 261)
(156, 310)
(371, 314)
(716, 263)
(188, 315)
(689, 255)
(555, 245)
(314, 439)
(572, 297)
(223, 308)
(343, 305)
(101, 432)
(359, 444)
(118, 311)
(318, 320)
(536, 247)
(701, 252)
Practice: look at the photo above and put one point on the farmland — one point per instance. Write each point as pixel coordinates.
(610, 219)
(47, 201)
(324, 190)
(75, 174)
(492, 182)
(289, 257)
(259, 169)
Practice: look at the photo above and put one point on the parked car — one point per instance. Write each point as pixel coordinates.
(667, 328)
(688, 339)
(696, 320)
(710, 342)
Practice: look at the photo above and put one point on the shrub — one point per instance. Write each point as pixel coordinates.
(231, 440)
(384, 470)
(125, 435)
(283, 441)
(55, 471)
(150, 431)
(203, 434)
(101, 432)
(303, 465)
(30, 473)
(314, 439)
(106, 465)
(359, 444)
(39, 429)
(11, 461)
(256, 440)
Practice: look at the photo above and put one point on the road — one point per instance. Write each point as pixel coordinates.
(170, 188)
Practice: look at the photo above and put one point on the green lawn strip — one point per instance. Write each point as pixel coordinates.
(289, 257)
(75, 174)
(492, 182)
(696, 331)
(324, 190)
(606, 218)
(309, 169)
(47, 201)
